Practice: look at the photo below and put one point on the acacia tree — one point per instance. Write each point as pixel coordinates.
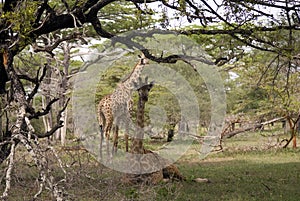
(25, 23)
(267, 88)
(266, 34)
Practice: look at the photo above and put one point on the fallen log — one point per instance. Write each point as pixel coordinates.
(273, 120)
(233, 133)
(253, 127)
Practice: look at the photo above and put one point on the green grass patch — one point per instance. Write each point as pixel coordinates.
(265, 175)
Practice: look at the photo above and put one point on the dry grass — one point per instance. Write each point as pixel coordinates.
(237, 173)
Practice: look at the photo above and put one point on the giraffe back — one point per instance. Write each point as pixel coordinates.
(121, 100)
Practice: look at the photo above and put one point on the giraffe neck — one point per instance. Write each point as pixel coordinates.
(140, 118)
(122, 95)
(134, 76)
(137, 143)
(140, 113)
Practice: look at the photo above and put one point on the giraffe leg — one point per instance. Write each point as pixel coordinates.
(126, 135)
(107, 147)
(128, 115)
(107, 135)
(102, 127)
(101, 141)
(126, 141)
(106, 132)
(115, 140)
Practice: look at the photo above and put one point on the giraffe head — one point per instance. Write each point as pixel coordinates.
(143, 59)
(144, 90)
(135, 73)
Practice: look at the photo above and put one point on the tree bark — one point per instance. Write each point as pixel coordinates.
(45, 118)
(64, 89)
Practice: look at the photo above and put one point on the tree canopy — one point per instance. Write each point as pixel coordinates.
(229, 30)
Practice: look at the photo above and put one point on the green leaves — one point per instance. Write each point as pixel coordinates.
(21, 19)
(123, 16)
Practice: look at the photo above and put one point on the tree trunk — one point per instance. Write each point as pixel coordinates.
(63, 90)
(45, 118)
(293, 129)
(1, 114)
(63, 130)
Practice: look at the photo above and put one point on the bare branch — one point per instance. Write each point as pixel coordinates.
(253, 127)
(45, 176)
(58, 125)
(127, 40)
(37, 83)
(45, 111)
(26, 77)
(215, 13)
(272, 5)
(49, 48)
(266, 70)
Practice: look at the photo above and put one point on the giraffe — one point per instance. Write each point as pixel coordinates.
(137, 149)
(137, 140)
(143, 163)
(117, 106)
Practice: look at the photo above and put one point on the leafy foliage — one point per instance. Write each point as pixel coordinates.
(120, 17)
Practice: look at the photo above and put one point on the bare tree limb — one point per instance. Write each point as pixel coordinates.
(37, 82)
(58, 125)
(45, 111)
(49, 48)
(272, 5)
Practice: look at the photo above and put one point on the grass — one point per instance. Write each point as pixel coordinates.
(249, 168)
(258, 175)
